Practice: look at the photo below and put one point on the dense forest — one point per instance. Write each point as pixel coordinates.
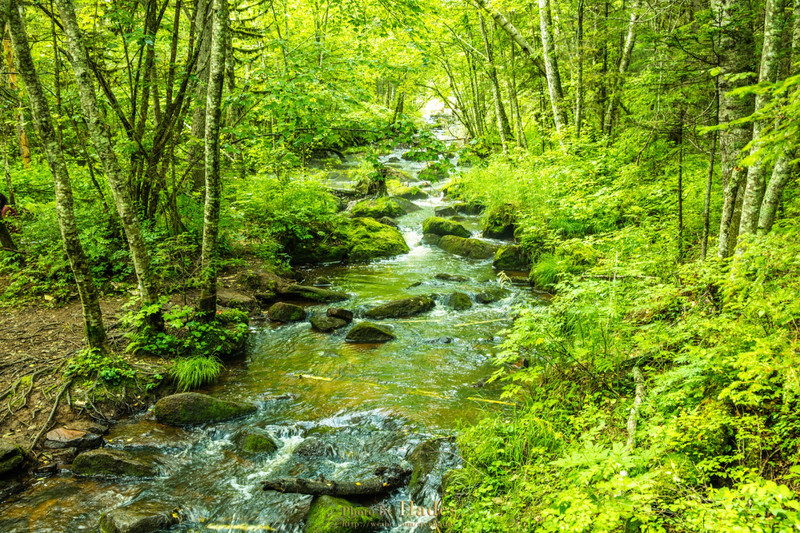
(632, 167)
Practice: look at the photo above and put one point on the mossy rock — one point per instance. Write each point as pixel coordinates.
(190, 408)
(142, 516)
(377, 208)
(12, 458)
(106, 462)
(469, 208)
(326, 324)
(511, 257)
(435, 171)
(442, 226)
(369, 239)
(500, 223)
(254, 441)
(337, 515)
(389, 222)
(406, 205)
(410, 193)
(368, 333)
(459, 301)
(471, 248)
(491, 295)
(431, 239)
(446, 211)
(402, 308)
(451, 277)
(313, 294)
(424, 459)
(338, 312)
(283, 312)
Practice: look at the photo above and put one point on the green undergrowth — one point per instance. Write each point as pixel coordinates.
(716, 343)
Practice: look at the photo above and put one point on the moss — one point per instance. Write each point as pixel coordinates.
(255, 441)
(459, 301)
(511, 258)
(11, 457)
(336, 515)
(377, 208)
(369, 239)
(472, 248)
(442, 226)
(367, 332)
(410, 193)
(402, 308)
(435, 171)
(190, 408)
(283, 312)
(500, 222)
(113, 463)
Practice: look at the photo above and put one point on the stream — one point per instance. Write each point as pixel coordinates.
(359, 405)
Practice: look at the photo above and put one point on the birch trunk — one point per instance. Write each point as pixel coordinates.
(768, 72)
(514, 33)
(92, 316)
(551, 66)
(201, 20)
(209, 260)
(783, 167)
(579, 77)
(101, 140)
(735, 52)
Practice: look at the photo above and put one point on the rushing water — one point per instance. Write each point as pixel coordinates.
(363, 404)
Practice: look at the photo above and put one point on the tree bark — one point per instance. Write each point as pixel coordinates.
(551, 66)
(101, 140)
(579, 79)
(624, 62)
(710, 180)
(735, 55)
(768, 73)
(209, 258)
(92, 316)
(500, 113)
(201, 20)
(514, 33)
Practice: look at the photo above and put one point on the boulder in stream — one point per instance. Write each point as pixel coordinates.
(369, 239)
(500, 223)
(469, 208)
(367, 333)
(402, 308)
(471, 248)
(283, 312)
(12, 458)
(326, 324)
(313, 294)
(442, 226)
(338, 312)
(511, 257)
(491, 295)
(377, 208)
(459, 301)
(72, 438)
(143, 516)
(191, 408)
(446, 211)
(254, 441)
(106, 462)
(410, 193)
(336, 515)
(451, 277)
(389, 222)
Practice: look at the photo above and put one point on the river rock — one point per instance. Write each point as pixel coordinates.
(254, 441)
(410, 193)
(12, 458)
(435, 171)
(236, 300)
(431, 239)
(511, 257)
(113, 463)
(491, 295)
(338, 312)
(402, 308)
(190, 408)
(148, 435)
(369, 239)
(442, 226)
(459, 301)
(448, 211)
(424, 459)
(406, 205)
(329, 514)
(367, 332)
(389, 222)
(500, 223)
(313, 294)
(451, 277)
(377, 208)
(72, 438)
(283, 312)
(142, 516)
(469, 208)
(326, 324)
(471, 248)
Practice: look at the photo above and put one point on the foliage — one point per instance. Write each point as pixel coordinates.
(193, 372)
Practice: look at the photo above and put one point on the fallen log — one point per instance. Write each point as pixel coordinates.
(384, 480)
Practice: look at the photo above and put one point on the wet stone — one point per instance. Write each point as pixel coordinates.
(283, 312)
(72, 438)
(451, 277)
(105, 462)
(140, 517)
(459, 301)
(327, 324)
(148, 435)
(191, 408)
(402, 308)
(367, 332)
(338, 312)
(12, 458)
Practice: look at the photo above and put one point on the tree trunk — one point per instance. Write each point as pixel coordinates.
(22, 135)
(201, 20)
(209, 258)
(768, 73)
(624, 62)
(735, 54)
(514, 34)
(522, 142)
(783, 167)
(551, 66)
(579, 80)
(92, 316)
(101, 140)
(710, 180)
(500, 113)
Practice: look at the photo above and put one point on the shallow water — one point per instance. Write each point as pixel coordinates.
(365, 404)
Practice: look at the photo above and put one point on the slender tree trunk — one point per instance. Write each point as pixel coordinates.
(22, 135)
(102, 143)
(710, 180)
(551, 66)
(92, 316)
(522, 142)
(680, 187)
(201, 19)
(735, 55)
(783, 167)
(768, 72)
(624, 62)
(6, 171)
(579, 80)
(514, 33)
(500, 113)
(216, 80)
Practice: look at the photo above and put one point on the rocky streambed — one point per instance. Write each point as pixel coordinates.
(342, 413)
